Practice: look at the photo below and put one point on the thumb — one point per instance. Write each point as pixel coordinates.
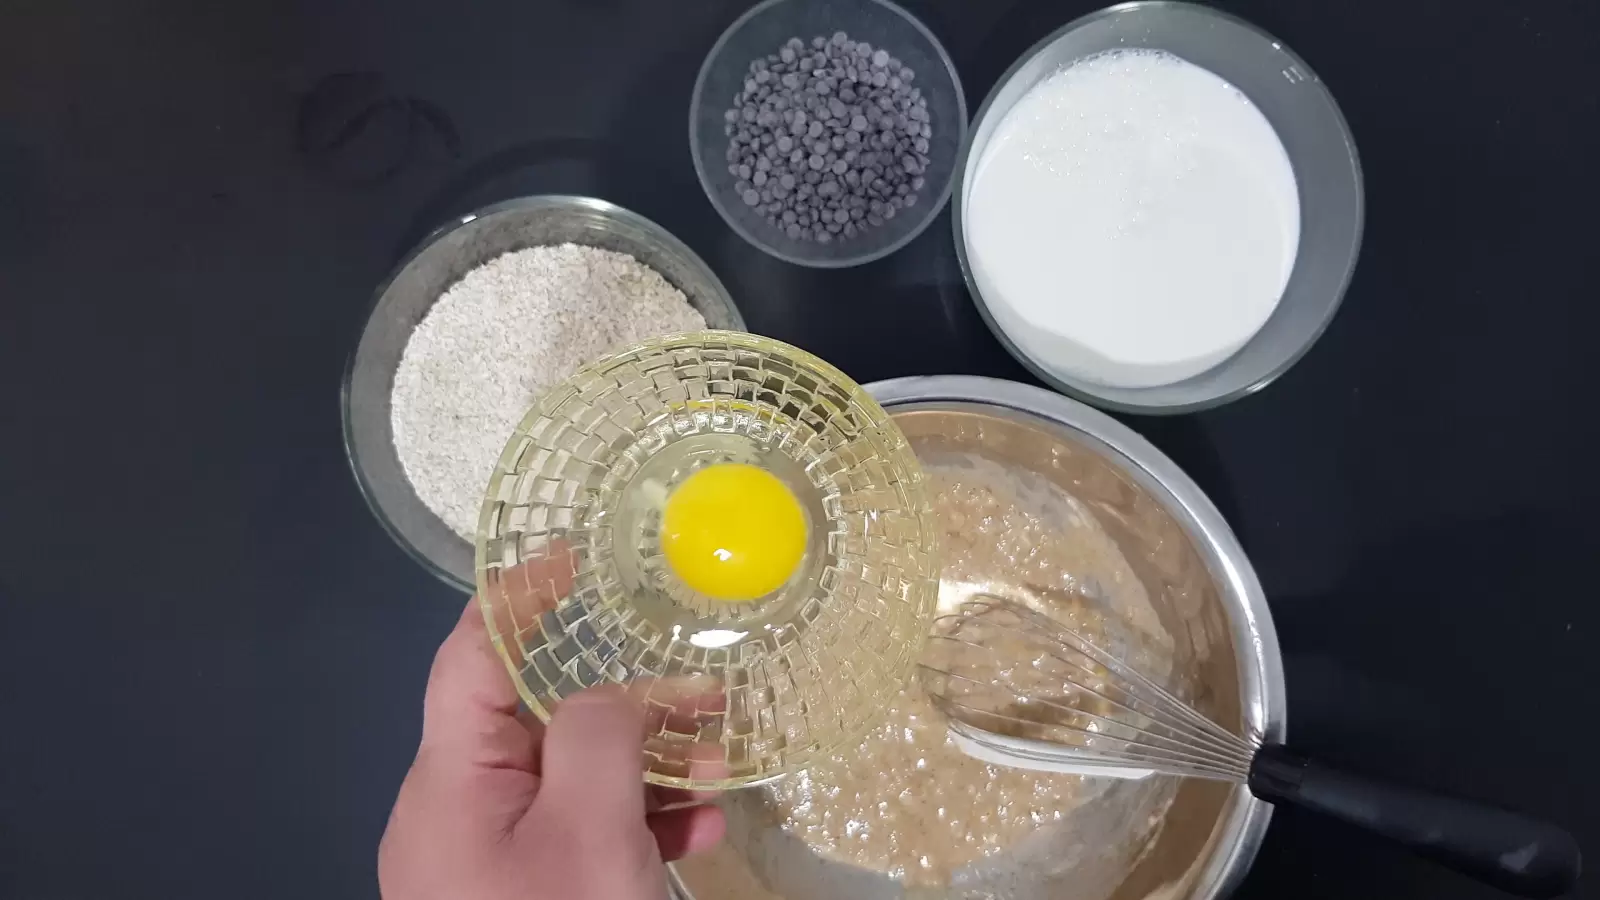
(593, 761)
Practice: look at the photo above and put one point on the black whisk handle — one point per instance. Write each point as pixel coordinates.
(1513, 852)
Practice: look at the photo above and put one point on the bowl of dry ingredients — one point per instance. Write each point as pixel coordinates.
(474, 324)
(826, 133)
(1042, 501)
(1158, 208)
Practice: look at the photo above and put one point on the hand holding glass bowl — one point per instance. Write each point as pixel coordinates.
(581, 582)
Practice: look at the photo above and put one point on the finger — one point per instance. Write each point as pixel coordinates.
(658, 799)
(680, 704)
(535, 729)
(470, 706)
(684, 832)
(683, 716)
(519, 595)
(707, 763)
(472, 702)
(684, 693)
(593, 761)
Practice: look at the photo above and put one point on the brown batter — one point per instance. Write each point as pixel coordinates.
(905, 801)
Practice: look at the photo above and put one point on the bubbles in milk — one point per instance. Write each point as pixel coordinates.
(1133, 220)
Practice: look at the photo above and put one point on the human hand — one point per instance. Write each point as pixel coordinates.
(498, 807)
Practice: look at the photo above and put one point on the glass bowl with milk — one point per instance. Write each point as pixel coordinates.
(1158, 208)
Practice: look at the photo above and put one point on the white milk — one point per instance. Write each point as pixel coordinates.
(1133, 221)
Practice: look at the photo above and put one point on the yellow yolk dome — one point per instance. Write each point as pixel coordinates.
(733, 532)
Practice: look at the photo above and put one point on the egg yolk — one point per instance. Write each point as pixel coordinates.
(733, 532)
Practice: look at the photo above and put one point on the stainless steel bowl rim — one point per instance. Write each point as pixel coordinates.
(529, 202)
(846, 261)
(1085, 391)
(1261, 683)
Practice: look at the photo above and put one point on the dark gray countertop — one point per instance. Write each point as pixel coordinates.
(211, 655)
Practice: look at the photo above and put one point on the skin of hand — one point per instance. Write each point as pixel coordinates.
(498, 807)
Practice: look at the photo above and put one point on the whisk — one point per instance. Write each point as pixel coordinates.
(1023, 690)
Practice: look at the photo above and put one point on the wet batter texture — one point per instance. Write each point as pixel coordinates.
(905, 801)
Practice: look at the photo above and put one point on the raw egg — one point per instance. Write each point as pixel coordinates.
(733, 532)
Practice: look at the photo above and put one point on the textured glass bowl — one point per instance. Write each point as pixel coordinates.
(741, 692)
(436, 264)
(1320, 149)
(761, 31)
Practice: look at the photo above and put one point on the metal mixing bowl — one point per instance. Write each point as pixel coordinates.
(436, 264)
(1203, 593)
(1314, 135)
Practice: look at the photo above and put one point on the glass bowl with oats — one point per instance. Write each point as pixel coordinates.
(483, 315)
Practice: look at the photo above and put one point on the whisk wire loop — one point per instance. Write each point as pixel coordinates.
(1022, 689)
(1056, 697)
